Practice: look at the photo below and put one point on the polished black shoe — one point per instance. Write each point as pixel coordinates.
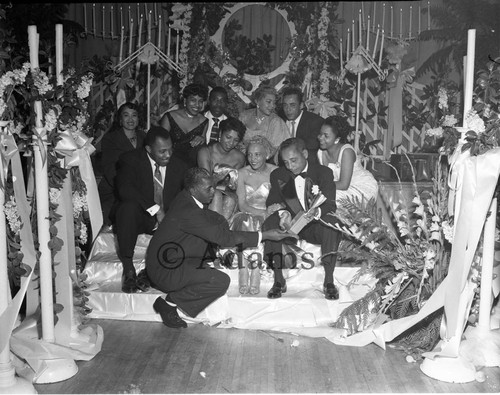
(276, 290)
(331, 292)
(142, 281)
(168, 314)
(129, 282)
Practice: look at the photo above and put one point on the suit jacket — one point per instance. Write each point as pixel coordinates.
(134, 179)
(184, 234)
(308, 129)
(283, 189)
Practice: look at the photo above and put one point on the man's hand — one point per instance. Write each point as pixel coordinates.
(311, 214)
(276, 235)
(160, 215)
(285, 220)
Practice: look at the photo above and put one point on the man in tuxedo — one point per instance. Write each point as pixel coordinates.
(292, 187)
(217, 107)
(147, 180)
(303, 124)
(177, 257)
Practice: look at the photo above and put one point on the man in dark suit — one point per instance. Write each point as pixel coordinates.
(147, 181)
(177, 257)
(216, 112)
(303, 124)
(292, 187)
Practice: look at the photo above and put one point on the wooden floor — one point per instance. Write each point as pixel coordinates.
(147, 357)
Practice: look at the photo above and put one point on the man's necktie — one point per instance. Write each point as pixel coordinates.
(214, 134)
(293, 128)
(303, 175)
(158, 184)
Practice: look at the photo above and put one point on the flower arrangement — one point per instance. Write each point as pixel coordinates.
(181, 18)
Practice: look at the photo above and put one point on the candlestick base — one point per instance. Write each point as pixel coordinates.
(56, 370)
(451, 370)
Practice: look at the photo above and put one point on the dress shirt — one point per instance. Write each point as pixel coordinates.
(163, 169)
(210, 117)
(296, 120)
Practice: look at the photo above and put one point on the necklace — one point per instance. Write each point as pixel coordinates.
(257, 118)
(189, 115)
(253, 172)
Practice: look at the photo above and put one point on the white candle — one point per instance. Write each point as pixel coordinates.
(159, 31)
(112, 14)
(400, 23)
(419, 19)
(150, 20)
(381, 49)
(374, 13)
(353, 36)
(139, 33)
(131, 37)
(120, 58)
(156, 13)
(363, 14)
(103, 21)
(93, 20)
(428, 15)
(383, 16)
(411, 16)
(177, 47)
(469, 71)
(59, 53)
(169, 39)
(85, 16)
(376, 42)
(368, 34)
(129, 14)
(138, 11)
(359, 28)
(341, 55)
(348, 44)
(121, 16)
(392, 21)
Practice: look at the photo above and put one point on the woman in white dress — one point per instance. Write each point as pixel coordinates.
(351, 178)
(252, 190)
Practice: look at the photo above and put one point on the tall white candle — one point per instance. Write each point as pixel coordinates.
(59, 53)
(159, 32)
(363, 14)
(374, 14)
(138, 11)
(103, 21)
(177, 46)
(392, 21)
(129, 14)
(469, 71)
(383, 16)
(139, 33)
(94, 27)
(419, 19)
(169, 39)
(150, 21)
(121, 16)
(131, 37)
(411, 16)
(376, 42)
(360, 32)
(85, 16)
(353, 36)
(368, 34)
(381, 49)
(428, 15)
(400, 23)
(120, 58)
(348, 44)
(156, 13)
(112, 15)
(341, 55)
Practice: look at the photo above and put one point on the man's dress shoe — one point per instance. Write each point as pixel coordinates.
(168, 314)
(276, 290)
(129, 280)
(331, 292)
(142, 281)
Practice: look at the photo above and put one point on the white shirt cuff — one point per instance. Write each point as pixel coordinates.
(153, 210)
(260, 237)
(318, 214)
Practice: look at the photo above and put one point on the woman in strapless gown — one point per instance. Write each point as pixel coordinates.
(252, 191)
(352, 180)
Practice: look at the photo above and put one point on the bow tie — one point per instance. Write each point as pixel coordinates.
(303, 175)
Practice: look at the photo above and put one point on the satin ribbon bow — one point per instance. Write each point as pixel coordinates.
(74, 147)
(324, 108)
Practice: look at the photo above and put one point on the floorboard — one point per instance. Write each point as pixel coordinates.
(147, 357)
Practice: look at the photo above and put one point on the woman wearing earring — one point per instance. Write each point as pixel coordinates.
(222, 159)
(123, 136)
(351, 178)
(253, 189)
(262, 120)
(187, 125)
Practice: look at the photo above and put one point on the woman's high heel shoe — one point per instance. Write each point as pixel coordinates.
(243, 280)
(254, 281)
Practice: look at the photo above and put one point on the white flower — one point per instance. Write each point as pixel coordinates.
(315, 189)
(474, 122)
(42, 82)
(435, 132)
(50, 120)
(54, 195)
(449, 120)
(447, 231)
(12, 215)
(83, 233)
(79, 204)
(443, 99)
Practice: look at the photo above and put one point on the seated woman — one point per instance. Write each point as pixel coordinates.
(187, 125)
(351, 178)
(124, 135)
(223, 159)
(262, 120)
(253, 189)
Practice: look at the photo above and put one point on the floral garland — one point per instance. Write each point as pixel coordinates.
(181, 18)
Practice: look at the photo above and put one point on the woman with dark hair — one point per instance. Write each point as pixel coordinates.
(351, 178)
(262, 120)
(124, 135)
(222, 159)
(187, 125)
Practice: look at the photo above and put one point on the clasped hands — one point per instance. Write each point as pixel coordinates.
(197, 140)
(286, 218)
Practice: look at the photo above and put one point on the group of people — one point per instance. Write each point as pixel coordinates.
(202, 180)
